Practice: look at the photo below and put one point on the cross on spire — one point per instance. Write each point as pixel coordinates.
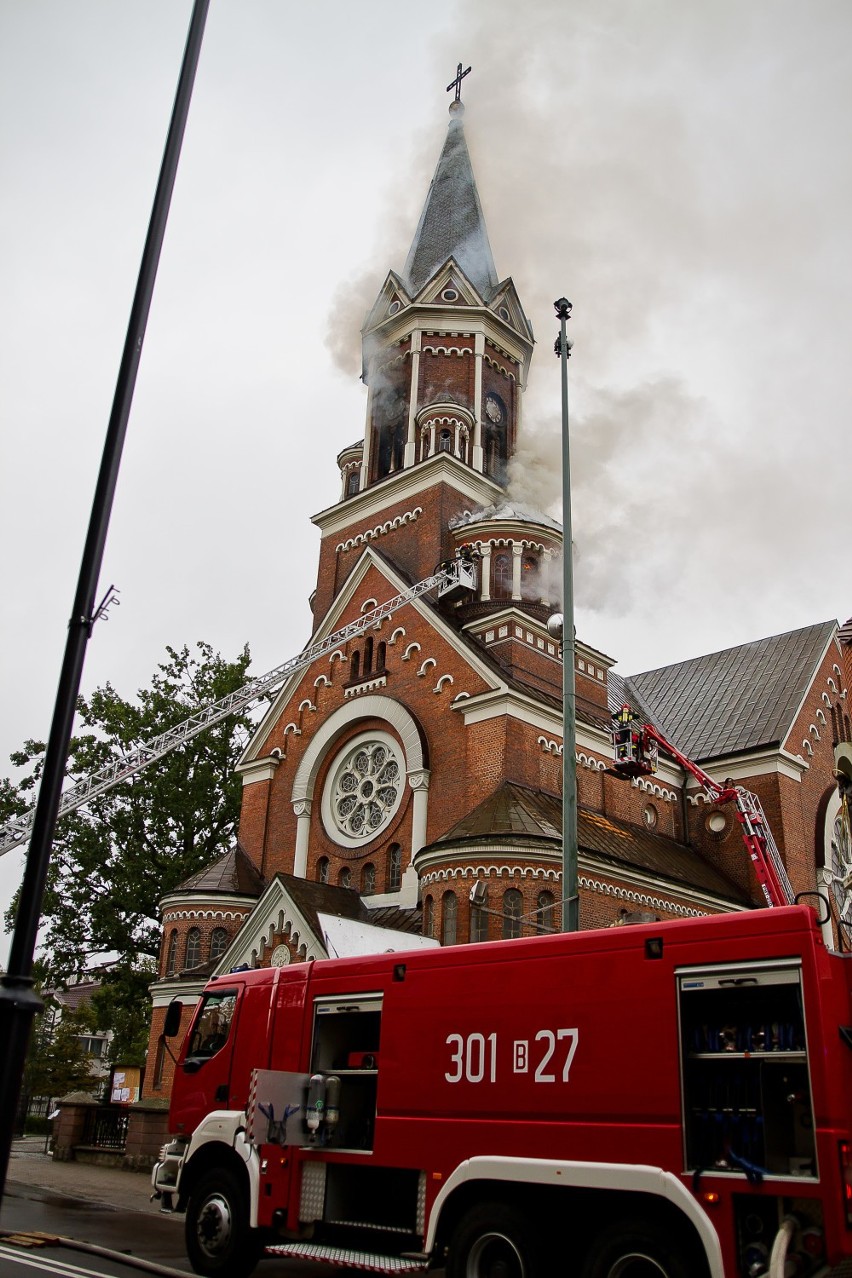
(456, 84)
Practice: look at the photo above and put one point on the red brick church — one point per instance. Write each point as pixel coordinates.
(423, 757)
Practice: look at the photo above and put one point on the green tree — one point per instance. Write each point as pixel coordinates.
(115, 858)
(57, 1062)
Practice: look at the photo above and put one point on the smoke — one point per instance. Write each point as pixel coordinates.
(672, 169)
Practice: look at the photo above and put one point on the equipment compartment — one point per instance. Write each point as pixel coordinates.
(346, 1041)
(746, 1086)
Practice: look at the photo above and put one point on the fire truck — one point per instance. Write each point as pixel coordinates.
(667, 1099)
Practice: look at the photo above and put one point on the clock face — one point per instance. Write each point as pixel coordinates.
(493, 411)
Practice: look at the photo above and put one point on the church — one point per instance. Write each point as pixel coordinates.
(422, 759)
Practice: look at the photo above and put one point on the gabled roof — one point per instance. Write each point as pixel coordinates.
(515, 813)
(735, 700)
(232, 873)
(452, 224)
(314, 898)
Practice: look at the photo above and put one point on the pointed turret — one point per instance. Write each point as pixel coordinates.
(452, 224)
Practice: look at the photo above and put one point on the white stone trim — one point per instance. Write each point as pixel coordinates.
(380, 530)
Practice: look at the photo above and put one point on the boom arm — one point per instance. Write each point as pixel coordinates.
(637, 746)
(455, 576)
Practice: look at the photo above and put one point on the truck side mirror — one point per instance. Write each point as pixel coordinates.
(172, 1022)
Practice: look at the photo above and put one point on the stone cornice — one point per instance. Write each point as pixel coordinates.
(406, 485)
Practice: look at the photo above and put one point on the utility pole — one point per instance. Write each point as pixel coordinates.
(19, 1002)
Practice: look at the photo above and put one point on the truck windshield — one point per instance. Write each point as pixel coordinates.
(211, 1029)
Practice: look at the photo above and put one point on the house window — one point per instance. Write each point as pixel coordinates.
(545, 912)
(322, 869)
(368, 879)
(193, 948)
(450, 918)
(530, 586)
(159, 1064)
(394, 867)
(218, 942)
(502, 577)
(479, 920)
(513, 904)
(171, 953)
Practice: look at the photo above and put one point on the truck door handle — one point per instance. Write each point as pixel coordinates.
(222, 1093)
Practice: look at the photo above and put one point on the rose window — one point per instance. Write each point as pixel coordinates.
(364, 789)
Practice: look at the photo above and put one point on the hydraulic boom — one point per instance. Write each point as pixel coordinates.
(456, 576)
(636, 747)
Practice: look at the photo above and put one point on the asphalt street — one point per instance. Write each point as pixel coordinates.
(105, 1210)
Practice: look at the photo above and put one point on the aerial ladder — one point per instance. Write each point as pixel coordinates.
(636, 749)
(454, 580)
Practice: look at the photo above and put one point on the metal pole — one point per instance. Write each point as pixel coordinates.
(570, 890)
(18, 999)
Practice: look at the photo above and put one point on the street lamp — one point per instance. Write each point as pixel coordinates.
(570, 897)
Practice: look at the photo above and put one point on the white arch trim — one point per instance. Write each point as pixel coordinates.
(369, 707)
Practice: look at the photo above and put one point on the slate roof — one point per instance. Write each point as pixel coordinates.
(232, 873)
(400, 920)
(452, 224)
(515, 812)
(314, 899)
(735, 700)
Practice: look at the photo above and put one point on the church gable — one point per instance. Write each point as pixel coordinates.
(507, 306)
(449, 287)
(392, 299)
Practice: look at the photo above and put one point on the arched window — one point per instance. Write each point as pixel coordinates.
(192, 956)
(171, 953)
(502, 576)
(479, 920)
(218, 942)
(449, 918)
(394, 867)
(344, 878)
(381, 656)
(355, 666)
(428, 917)
(352, 483)
(530, 584)
(513, 905)
(368, 879)
(445, 442)
(545, 917)
(322, 869)
(368, 655)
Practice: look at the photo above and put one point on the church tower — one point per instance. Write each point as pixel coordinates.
(446, 354)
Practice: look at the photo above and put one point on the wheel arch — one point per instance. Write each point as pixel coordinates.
(212, 1155)
(602, 1192)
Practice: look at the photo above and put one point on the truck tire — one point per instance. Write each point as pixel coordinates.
(637, 1248)
(492, 1241)
(218, 1238)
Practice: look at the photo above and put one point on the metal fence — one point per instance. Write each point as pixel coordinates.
(106, 1128)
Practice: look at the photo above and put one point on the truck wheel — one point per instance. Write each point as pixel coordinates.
(218, 1237)
(635, 1249)
(492, 1241)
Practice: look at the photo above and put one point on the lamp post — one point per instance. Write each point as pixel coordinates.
(570, 897)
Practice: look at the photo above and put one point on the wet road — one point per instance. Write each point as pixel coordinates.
(153, 1239)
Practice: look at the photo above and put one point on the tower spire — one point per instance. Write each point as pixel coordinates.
(452, 223)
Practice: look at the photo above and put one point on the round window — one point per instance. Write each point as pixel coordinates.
(650, 815)
(450, 295)
(716, 823)
(364, 789)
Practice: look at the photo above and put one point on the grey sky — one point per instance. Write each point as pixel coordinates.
(679, 170)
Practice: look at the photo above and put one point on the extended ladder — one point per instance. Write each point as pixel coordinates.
(453, 579)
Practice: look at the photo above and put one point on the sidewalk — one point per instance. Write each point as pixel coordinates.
(29, 1165)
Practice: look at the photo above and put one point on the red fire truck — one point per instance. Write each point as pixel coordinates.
(670, 1100)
